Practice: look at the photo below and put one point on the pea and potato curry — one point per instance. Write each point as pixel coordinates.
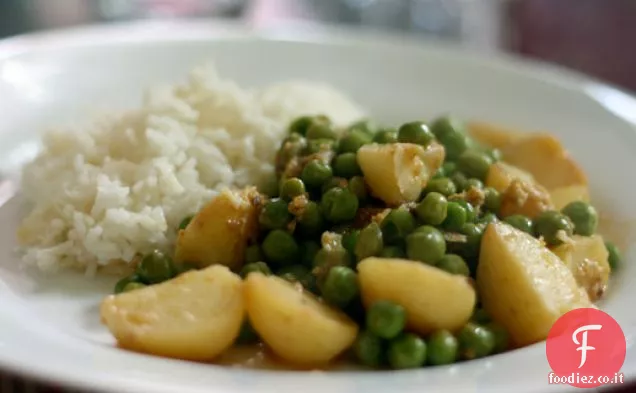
(423, 245)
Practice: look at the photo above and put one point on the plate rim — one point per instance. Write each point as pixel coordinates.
(213, 29)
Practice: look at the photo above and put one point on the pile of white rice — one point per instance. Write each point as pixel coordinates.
(102, 194)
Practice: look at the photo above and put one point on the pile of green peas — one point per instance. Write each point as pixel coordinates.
(384, 342)
(315, 226)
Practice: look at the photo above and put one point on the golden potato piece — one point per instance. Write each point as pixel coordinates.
(396, 173)
(194, 316)
(543, 156)
(500, 175)
(528, 199)
(587, 259)
(523, 285)
(492, 135)
(218, 234)
(563, 195)
(295, 324)
(433, 298)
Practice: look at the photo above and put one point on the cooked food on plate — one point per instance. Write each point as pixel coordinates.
(285, 217)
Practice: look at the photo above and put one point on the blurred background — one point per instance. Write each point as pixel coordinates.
(592, 36)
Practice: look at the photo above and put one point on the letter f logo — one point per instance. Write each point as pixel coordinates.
(583, 344)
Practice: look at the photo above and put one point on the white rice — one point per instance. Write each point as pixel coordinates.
(102, 194)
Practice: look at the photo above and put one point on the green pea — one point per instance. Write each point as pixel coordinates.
(253, 254)
(583, 216)
(459, 180)
(397, 225)
(453, 264)
(247, 334)
(334, 182)
(452, 134)
(433, 208)
(475, 341)
(121, 284)
(365, 125)
(474, 164)
(549, 224)
(315, 146)
(455, 217)
(296, 273)
(442, 185)
(300, 125)
(310, 222)
(385, 137)
(255, 267)
(439, 173)
(332, 257)
(131, 286)
(487, 219)
(315, 174)
(386, 319)
(502, 338)
(449, 168)
(353, 140)
(340, 286)
(480, 316)
(474, 183)
(473, 234)
(156, 267)
(520, 222)
(370, 242)
(346, 165)
(184, 223)
(442, 348)
(406, 351)
(350, 240)
(393, 252)
(339, 205)
(292, 188)
(358, 186)
(280, 248)
(492, 199)
(494, 154)
(369, 349)
(275, 214)
(321, 130)
(426, 244)
(309, 249)
(471, 213)
(615, 259)
(415, 132)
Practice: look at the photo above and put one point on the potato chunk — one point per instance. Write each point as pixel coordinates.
(433, 298)
(523, 285)
(218, 234)
(396, 173)
(528, 199)
(543, 156)
(194, 316)
(500, 175)
(295, 324)
(587, 259)
(563, 195)
(493, 135)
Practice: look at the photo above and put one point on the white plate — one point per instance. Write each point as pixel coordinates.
(49, 328)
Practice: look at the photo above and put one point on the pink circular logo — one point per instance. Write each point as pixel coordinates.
(586, 349)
